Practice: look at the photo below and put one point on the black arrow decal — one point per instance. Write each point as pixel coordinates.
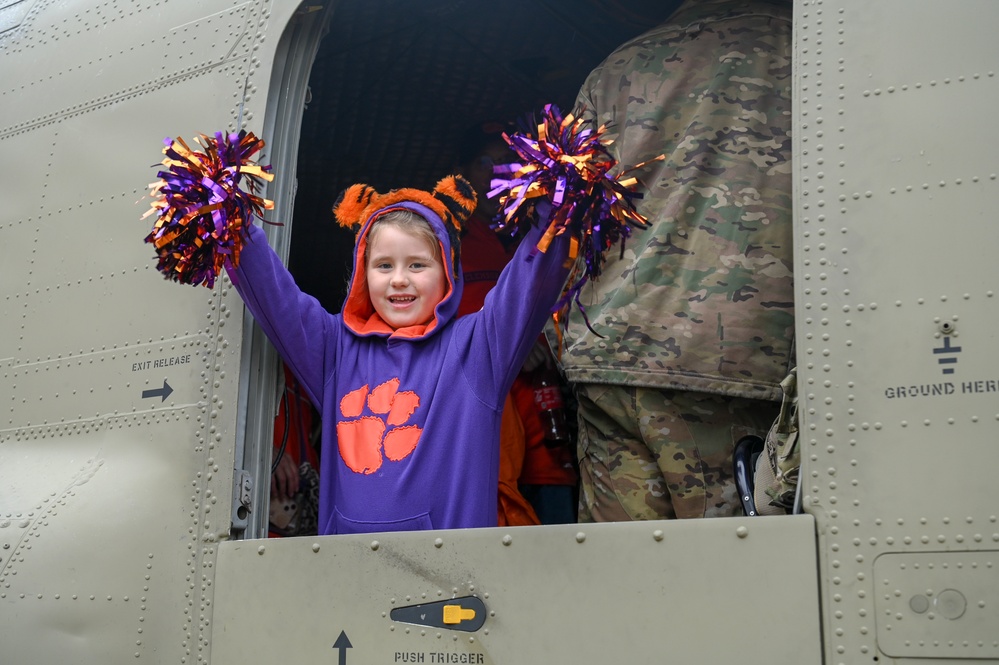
(163, 392)
(342, 643)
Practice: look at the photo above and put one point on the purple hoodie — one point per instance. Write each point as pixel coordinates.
(411, 417)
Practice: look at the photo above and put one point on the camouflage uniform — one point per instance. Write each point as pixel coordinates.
(660, 454)
(702, 301)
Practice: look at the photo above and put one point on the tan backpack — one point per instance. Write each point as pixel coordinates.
(776, 477)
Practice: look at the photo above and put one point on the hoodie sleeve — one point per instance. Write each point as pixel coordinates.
(293, 321)
(515, 312)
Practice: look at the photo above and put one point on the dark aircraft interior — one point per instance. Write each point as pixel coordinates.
(396, 82)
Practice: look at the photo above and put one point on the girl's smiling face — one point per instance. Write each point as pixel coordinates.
(405, 279)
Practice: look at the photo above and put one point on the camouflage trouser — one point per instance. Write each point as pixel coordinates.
(660, 454)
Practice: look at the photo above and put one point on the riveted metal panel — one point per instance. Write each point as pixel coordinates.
(118, 390)
(98, 53)
(101, 553)
(707, 591)
(938, 604)
(895, 276)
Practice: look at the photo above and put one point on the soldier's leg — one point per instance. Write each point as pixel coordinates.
(692, 436)
(619, 477)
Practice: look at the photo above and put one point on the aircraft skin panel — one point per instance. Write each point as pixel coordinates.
(92, 492)
(119, 389)
(683, 591)
(136, 379)
(97, 233)
(896, 306)
(20, 216)
(90, 50)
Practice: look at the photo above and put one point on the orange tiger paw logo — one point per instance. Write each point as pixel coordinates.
(364, 442)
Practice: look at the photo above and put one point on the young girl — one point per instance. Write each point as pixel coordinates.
(411, 397)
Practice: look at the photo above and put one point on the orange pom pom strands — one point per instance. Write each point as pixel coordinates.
(204, 202)
(565, 163)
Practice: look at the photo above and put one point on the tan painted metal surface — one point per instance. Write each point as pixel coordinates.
(896, 276)
(118, 389)
(682, 591)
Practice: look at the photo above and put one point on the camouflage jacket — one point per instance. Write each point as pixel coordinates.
(702, 300)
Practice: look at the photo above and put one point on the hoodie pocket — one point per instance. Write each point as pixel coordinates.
(340, 524)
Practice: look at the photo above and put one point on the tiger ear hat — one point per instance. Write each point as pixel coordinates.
(453, 199)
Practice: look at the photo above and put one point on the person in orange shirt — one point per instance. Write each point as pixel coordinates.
(294, 504)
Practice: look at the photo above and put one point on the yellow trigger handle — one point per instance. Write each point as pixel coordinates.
(456, 614)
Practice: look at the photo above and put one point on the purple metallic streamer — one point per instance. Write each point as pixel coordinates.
(201, 209)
